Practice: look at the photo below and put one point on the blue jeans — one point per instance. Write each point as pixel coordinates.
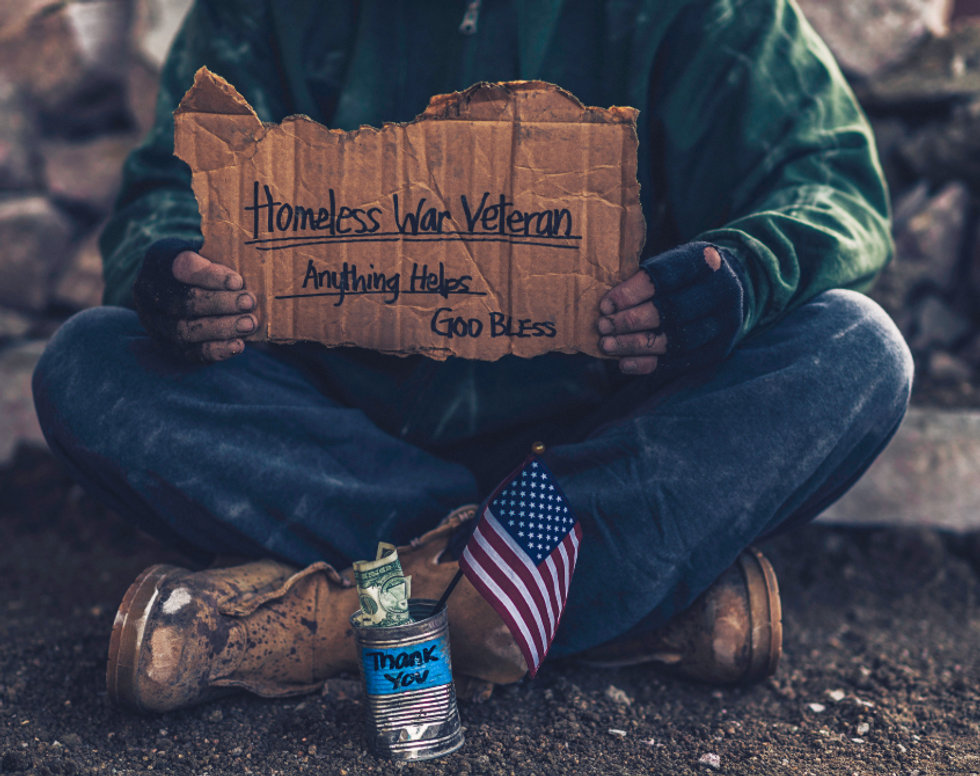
(309, 454)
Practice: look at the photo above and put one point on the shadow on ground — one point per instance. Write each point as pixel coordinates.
(879, 676)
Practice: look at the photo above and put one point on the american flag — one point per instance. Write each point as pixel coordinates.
(522, 555)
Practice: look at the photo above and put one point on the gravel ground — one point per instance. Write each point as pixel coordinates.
(879, 674)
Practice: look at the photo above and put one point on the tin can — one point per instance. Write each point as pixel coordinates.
(408, 683)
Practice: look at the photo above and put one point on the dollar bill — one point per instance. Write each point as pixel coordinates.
(382, 589)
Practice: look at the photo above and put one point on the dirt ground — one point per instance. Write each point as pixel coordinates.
(880, 673)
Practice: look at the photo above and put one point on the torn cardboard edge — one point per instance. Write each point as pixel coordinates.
(536, 101)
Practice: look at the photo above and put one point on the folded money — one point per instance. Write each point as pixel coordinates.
(383, 590)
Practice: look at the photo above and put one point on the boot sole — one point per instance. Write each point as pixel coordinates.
(126, 642)
(766, 613)
(765, 625)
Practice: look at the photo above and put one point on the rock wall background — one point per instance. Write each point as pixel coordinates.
(78, 85)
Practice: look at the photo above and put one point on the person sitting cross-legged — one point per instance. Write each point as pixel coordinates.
(748, 384)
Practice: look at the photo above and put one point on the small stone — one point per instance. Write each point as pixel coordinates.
(20, 167)
(943, 68)
(944, 150)
(929, 232)
(618, 696)
(87, 172)
(69, 58)
(13, 324)
(869, 37)
(156, 24)
(34, 245)
(861, 677)
(56, 59)
(862, 728)
(80, 284)
(948, 368)
(933, 235)
(836, 695)
(343, 689)
(891, 134)
(142, 86)
(710, 760)
(14, 761)
(617, 732)
(101, 29)
(936, 325)
(15, 13)
(817, 708)
(216, 716)
(18, 419)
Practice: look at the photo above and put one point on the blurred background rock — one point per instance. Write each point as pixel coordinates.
(78, 86)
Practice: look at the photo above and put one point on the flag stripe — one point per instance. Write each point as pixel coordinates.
(509, 604)
(487, 556)
(562, 552)
(509, 613)
(560, 555)
(573, 539)
(490, 559)
(503, 604)
(521, 564)
(569, 554)
(556, 600)
(557, 555)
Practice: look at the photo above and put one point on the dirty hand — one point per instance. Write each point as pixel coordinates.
(682, 310)
(192, 307)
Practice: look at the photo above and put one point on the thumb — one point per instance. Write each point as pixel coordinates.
(195, 270)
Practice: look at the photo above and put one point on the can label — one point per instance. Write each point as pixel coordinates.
(401, 669)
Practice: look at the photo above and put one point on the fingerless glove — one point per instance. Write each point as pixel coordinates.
(158, 296)
(701, 309)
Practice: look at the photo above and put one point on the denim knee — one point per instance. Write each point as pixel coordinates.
(63, 381)
(868, 351)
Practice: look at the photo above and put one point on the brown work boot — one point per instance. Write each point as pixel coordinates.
(732, 633)
(183, 637)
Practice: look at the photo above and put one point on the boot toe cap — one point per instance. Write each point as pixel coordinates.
(164, 643)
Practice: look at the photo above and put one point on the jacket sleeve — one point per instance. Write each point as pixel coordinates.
(767, 154)
(156, 200)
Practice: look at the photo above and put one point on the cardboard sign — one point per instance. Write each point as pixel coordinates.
(490, 225)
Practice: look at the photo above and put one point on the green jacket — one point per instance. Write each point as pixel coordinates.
(749, 136)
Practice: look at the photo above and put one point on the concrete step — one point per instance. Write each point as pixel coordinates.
(928, 476)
